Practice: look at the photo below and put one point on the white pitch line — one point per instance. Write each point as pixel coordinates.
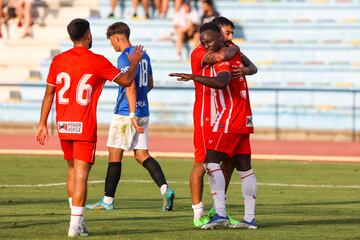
(281, 157)
(177, 182)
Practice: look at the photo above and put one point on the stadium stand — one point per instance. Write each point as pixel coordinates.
(295, 44)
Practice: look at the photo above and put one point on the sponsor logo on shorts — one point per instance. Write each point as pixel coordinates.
(249, 122)
(70, 127)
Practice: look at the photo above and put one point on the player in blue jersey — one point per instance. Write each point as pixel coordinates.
(129, 125)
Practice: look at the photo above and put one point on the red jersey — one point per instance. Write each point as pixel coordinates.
(79, 76)
(233, 104)
(204, 108)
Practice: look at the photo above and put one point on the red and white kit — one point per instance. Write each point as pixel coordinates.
(78, 83)
(233, 124)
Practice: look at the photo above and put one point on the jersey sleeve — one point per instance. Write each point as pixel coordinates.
(106, 70)
(222, 67)
(123, 63)
(51, 79)
(197, 57)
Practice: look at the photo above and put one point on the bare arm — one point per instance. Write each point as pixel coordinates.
(219, 82)
(42, 133)
(222, 55)
(131, 97)
(150, 83)
(252, 69)
(125, 79)
(245, 68)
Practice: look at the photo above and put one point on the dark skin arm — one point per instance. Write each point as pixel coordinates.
(222, 55)
(245, 68)
(219, 82)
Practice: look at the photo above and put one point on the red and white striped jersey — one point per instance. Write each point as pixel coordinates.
(204, 106)
(232, 104)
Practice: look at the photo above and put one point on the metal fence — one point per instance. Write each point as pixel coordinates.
(276, 108)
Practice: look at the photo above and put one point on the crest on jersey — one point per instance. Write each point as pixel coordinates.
(243, 94)
(249, 122)
(70, 127)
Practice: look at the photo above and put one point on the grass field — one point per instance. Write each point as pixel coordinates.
(290, 211)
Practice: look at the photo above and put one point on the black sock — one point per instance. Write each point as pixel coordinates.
(112, 178)
(155, 171)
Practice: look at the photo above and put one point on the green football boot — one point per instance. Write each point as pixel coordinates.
(201, 221)
(233, 222)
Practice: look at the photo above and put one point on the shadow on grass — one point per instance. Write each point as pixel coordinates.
(32, 201)
(30, 223)
(338, 221)
(137, 231)
(34, 215)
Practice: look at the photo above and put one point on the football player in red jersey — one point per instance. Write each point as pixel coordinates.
(231, 128)
(204, 114)
(76, 79)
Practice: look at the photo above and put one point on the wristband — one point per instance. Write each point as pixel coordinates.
(132, 115)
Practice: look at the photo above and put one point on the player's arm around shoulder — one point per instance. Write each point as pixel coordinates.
(222, 55)
(252, 69)
(245, 67)
(126, 79)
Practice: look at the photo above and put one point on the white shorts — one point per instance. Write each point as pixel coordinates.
(122, 133)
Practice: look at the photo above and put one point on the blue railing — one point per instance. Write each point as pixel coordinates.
(276, 108)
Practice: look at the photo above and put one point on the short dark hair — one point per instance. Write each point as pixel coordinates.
(118, 28)
(78, 28)
(210, 26)
(223, 21)
(210, 2)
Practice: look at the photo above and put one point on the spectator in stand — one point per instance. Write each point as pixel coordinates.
(23, 12)
(113, 7)
(209, 11)
(145, 4)
(186, 23)
(162, 7)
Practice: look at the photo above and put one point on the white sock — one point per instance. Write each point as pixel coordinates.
(108, 200)
(70, 202)
(163, 189)
(248, 185)
(198, 210)
(76, 215)
(217, 187)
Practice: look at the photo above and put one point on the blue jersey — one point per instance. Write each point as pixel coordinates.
(144, 71)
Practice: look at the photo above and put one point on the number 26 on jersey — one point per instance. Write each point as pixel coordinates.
(83, 89)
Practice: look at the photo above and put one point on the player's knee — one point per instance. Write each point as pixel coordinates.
(242, 162)
(211, 167)
(115, 155)
(141, 156)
